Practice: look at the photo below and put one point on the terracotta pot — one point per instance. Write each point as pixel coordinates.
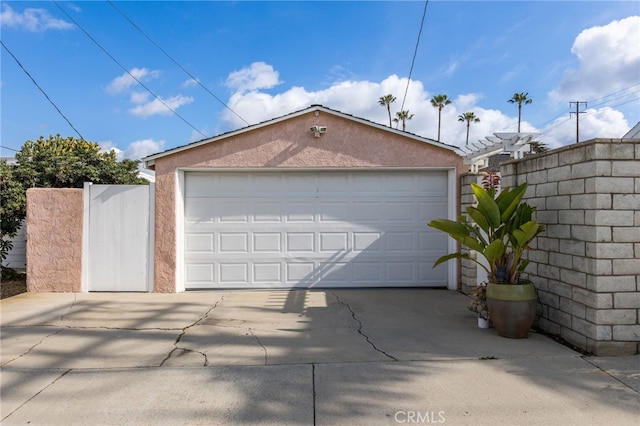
(512, 308)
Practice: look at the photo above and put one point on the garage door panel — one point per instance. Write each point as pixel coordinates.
(400, 272)
(300, 272)
(431, 242)
(334, 211)
(233, 211)
(297, 212)
(428, 210)
(400, 242)
(199, 243)
(332, 229)
(331, 242)
(233, 273)
(267, 242)
(399, 211)
(337, 273)
(201, 210)
(233, 242)
(333, 184)
(367, 272)
(200, 273)
(366, 241)
(300, 242)
(267, 211)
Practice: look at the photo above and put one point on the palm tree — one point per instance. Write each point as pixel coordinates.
(387, 100)
(520, 98)
(440, 101)
(403, 116)
(469, 117)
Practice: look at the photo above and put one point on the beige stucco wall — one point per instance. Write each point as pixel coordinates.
(287, 144)
(54, 239)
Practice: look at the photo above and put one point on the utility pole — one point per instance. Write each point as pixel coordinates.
(577, 112)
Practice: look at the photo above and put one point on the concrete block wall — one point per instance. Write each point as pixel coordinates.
(586, 265)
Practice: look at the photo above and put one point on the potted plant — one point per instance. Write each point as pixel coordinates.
(479, 305)
(500, 229)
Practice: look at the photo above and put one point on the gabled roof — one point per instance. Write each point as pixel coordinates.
(150, 160)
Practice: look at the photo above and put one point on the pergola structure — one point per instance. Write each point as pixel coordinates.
(516, 144)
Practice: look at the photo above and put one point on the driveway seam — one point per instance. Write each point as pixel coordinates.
(313, 388)
(360, 325)
(36, 394)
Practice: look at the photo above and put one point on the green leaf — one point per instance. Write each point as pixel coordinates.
(487, 205)
(508, 201)
(450, 227)
(448, 257)
(526, 233)
(470, 242)
(478, 218)
(494, 251)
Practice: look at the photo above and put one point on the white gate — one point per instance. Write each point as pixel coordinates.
(118, 237)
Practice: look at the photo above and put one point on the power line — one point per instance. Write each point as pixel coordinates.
(127, 71)
(175, 62)
(41, 89)
(591, 102)
(415, 53)
(624, 103)
(614, 93)
(577, 113)
(613, 99)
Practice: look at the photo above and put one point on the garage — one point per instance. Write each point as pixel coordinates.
(304, 229)
(313, 199)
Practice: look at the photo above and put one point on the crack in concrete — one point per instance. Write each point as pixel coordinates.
(266, 359)
(184, 331)
(360, 325)
(75, 299)
(36, 394)
(31, 348)
(610, 375)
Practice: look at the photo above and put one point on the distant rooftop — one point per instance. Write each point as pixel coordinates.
(634, 133)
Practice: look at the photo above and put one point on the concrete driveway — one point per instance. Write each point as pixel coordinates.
(292, 357)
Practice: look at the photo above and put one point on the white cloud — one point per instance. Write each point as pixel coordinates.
(256, 76)
(136, 150)
(594, 123)
(139, 97)
(31, 19)
(158, 106)
(609, 60)
(360, 98)
(142, 148)
(125, 81)
(107, 146)
(190, 82)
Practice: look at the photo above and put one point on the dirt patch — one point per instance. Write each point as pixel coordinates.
(13, 284)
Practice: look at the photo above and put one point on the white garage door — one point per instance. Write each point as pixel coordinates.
(314, 229)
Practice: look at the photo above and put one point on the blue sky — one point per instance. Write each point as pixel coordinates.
(266, 59)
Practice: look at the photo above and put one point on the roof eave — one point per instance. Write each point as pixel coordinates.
(149, 161)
